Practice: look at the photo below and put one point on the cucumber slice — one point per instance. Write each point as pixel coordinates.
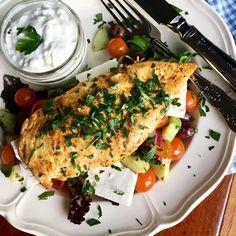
(136, 164)
(7, 121)
(16, 174)
(162, 170)
(169, 132)
(100, 40)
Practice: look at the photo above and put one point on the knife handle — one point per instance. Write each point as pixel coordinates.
(217, 58)
(219, 99)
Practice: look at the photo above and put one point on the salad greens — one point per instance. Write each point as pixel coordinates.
(46, 195)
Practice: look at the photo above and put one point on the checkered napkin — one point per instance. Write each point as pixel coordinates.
(227, 10)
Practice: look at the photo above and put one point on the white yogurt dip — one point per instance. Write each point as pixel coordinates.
(59, 33)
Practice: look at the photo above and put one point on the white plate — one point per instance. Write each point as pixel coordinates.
(166, 204)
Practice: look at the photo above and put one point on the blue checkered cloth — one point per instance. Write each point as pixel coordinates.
(227, 10)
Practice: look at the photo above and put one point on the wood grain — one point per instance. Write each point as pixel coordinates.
(229, 223)
(205, 220)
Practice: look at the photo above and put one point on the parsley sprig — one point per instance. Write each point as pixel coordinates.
(30, 42)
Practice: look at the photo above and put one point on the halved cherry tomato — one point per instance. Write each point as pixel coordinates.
(58, 184)
(178, 149)
(145, 181)
(164, 121)
(25, 98)
(117, 47)
(22, 116)
(165, 149)
(38, 105)
(191, 100)
(8, 155)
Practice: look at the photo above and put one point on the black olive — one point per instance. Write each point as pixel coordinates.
(117, 30)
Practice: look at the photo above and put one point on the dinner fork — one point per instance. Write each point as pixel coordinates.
(136, 24)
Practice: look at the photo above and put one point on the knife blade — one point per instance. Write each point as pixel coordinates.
(164, 13)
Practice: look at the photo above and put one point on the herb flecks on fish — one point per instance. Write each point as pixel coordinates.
(109, 113)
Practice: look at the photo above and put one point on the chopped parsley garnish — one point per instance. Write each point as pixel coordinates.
(202, 107)
(49, 107)
(115, 167)
(89, 100)
(142, 127)
(150, 140)
(211, 147)
(99, 211)
(126, 132)
(97, 178)
(108, 113)
(214, 135)
(99, 19)
(46, 195)
(6, 170)
(138, 221)
(30, 42)
(63, 171)
(102, 146)
(179, 10)
(88, 188)
(119, 192)
(23, 189)
(73, 156)
(92, 222)
(149, 155)
(175, 102)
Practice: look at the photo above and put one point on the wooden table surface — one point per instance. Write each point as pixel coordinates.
(215, 216)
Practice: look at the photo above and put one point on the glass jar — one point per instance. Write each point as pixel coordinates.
(49, 67)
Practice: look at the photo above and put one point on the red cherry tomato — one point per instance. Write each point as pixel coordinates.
(58, 184)
(8, 155)
(191, 100)
(117, 47)
(145, 181)
(25, 98)
(178, 149)
(22, 116)
(38, 105)
(165, 149)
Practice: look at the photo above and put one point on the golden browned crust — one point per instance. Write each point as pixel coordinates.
(48, 156)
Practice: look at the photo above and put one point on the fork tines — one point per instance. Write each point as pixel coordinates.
(123, 16)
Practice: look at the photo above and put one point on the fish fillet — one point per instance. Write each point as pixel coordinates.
(99, 121)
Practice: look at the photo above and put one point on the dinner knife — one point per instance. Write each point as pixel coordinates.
(164, 13)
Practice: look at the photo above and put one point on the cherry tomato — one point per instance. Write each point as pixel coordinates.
(22, 116)
(8, 155)
(117, 47)
(164, 121)
(25, 98)
(178, 149)
(38, 105)
(58, 184)
(191, 100)
(165, 149)
(145, 181)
